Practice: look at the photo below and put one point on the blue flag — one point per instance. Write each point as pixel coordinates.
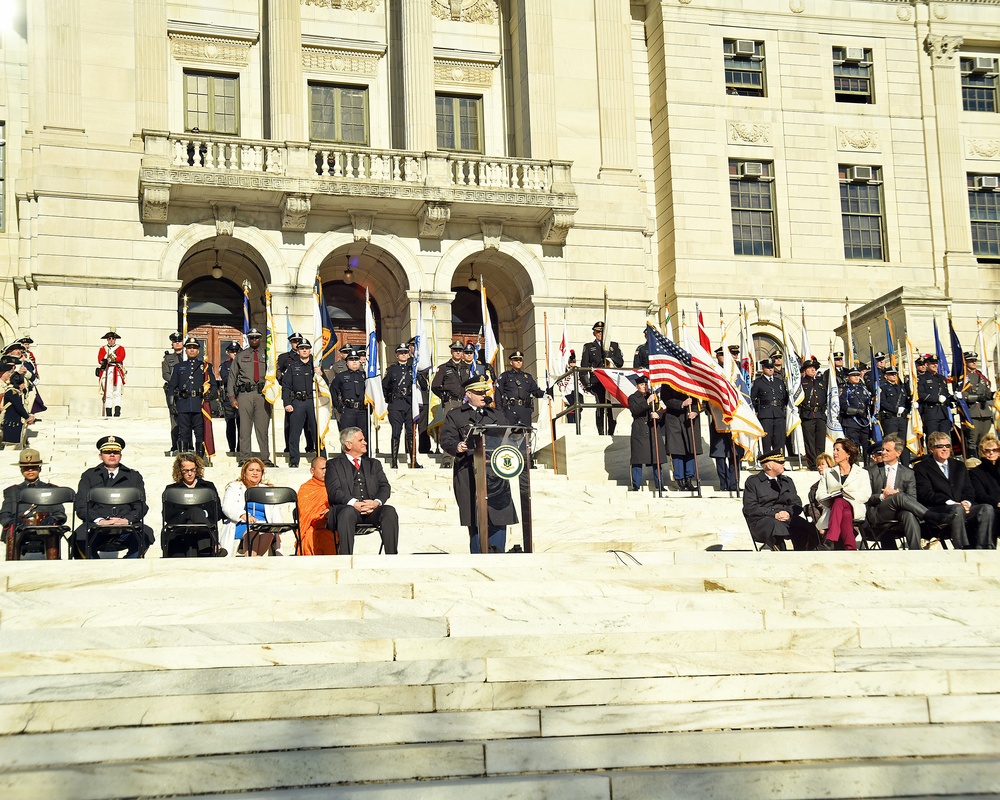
(943, 370)
(877, 404)
(959, 378)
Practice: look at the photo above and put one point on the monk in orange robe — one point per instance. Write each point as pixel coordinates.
(317, 540)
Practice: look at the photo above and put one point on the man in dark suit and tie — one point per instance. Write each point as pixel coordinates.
(893, 504)
(943, 485)
(358, 490)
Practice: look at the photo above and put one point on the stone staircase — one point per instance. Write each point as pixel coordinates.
(662, 671)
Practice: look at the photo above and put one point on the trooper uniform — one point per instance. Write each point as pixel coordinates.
(894, 409)
(595, 354)
(812, 412)
(348, 394)
(869, 379)
(769, 397)
(246, 387)
(448, 380)
(282, 363)
(978, 397)
(187, 389)
(933, 398)
(397, 386)
(297, 383)
(515, 390)
(171, 358)
(111, 372)
(231, 414)
(641, 358)
(855, 411)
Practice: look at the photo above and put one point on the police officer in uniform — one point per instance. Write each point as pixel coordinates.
(515, 390)
(933, 397)
(839, 368)
(246, 386)
(187, 389)
(869, 378)
(894, 409)
(448, 380)
(769, 397)
(281, 364)
(297, 398)
(597, 356)
(855, 410)
(978, 397)
(348, 393)
(228, 411)
(171, 358)
(397, 386)
(812, 410)
(641, 358)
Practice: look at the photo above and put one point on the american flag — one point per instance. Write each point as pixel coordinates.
(688, 374)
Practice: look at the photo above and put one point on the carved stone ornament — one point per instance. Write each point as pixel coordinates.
(155, 203)
(321, 59)
(483, 11)
(983, 148)
(942, 48)
(556, 227)
(848, 139)
(903, 13)
(214, 50)
(225, 219)
(295, 212)
(463, 72)
(940, 11)
(796, 6)
(362, 222)
(432, 219)
(346, 5)
(492, 233)
(749, 133)
(684, 2)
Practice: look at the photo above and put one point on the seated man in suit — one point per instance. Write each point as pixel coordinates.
(111, 473)
(893, 505)
(943, 485)
(358, 490)
(772, 507)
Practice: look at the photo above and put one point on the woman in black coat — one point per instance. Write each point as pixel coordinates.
(682, 418)
(647, 428)
(985, 478)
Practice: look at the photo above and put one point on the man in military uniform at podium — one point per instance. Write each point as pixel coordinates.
(597, 356)
(187, 390)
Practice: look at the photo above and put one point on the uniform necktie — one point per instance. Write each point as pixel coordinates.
(108, 477)
(256, 367)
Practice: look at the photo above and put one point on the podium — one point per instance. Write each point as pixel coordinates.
(502, 454)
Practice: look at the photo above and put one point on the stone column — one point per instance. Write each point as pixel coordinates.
(284, 53)
(534, 78)
(612, 23)
(151, 65)
(63, 86)
(418, 76)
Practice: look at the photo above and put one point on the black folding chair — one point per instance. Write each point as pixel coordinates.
(270, 496)
(190, 522)
(113, 538)
(40, 523)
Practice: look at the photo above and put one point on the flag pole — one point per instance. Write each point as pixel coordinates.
(850, 334)
(552, 427)
(694, 449)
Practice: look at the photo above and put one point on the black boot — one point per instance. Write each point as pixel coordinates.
(118, 411)
(395, 452)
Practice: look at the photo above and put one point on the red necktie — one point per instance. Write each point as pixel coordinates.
(256, 367)
(357, 463)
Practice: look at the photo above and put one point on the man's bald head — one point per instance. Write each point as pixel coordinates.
(317, 467)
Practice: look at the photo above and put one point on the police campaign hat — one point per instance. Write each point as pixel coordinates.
(402, 347)
(457, 345)
(176, 336)
(111, 444)
(303, 344)
(598, 326)
(29, 458)
(476, 383)
(191, 342)
(516, 354)
(233, 347)
(469, 348)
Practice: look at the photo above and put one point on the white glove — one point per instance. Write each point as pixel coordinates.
(958, 395)
(941, 398)
(900, 410)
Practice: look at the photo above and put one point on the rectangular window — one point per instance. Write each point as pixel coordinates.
(979, 83)
(852, 75)
(211, 103)
(744, 62)
(751, 191)
(338, 113)
(984, 210)
(460, 123)
(861, 212)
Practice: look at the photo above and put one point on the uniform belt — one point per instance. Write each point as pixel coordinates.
(773, 404)
(301, 395)
(185, 394)
(351, 404)
(514, 401)
(245, 388)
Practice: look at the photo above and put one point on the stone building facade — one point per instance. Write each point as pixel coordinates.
(672, 152)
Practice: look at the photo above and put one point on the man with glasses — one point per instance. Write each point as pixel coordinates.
(246, 387)
(943, 485)
(30, 463)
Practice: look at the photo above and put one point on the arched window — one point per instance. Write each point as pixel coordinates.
(212, 301)
(467, 313)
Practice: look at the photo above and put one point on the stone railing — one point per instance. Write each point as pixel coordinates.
(501, 173)
(244, 155)
(362, 164)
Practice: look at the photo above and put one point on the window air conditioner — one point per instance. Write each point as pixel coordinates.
(854, 54)
(987, 182)
(744, 47)
(983, 64)
(860, 174)
(751, 169)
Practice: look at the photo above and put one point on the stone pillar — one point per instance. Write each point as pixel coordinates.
(534, 78)
(418, 76)
(151, 65)
(943, 51)
(612, 23)
(284, 53)
(63, 85)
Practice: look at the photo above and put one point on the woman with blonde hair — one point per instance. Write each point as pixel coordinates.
(238, 515)
(843, 490)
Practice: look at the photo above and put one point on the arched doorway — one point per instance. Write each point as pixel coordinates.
(345, 303)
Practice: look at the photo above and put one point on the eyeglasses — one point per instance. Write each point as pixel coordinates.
(985, 450)
(189, 469)
(941, 447)
(30, 468)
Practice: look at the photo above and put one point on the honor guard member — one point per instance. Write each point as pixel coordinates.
(869, 377)
(447, 383)
(190, 383)
(641, 358)
(839, 369)
(397, 386)
(286, 358)
(231, 414)
(812, 410)
(978, 397)
(15, 415)
(933, 397)
(720, 443)
(171, 358)
(297, 383)
(597, 356)
(111, 371)
(769, 398)
(458, 441)
(348, 393)
(246, 387)
(894, 409)
(515, 390)
(855, 410)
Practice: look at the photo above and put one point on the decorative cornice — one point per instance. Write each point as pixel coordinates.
(339, 43)
(481, 11)
(350, 62)
(202, 30)
(346, 5)
(431, 220)
(295, 210)
(852, 139)
(211, 50)
(463, 73)
(748, 133)
(983, 148)
(362, 222)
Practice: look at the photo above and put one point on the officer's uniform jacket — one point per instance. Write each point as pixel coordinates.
(813, 405)
(515, 389)
(241, 372)
(594, 355)
(855, 403)
(978, 395)
(894, 397)
(447, 383)
(769, 397)
(931, 387)
(397, 386)
(170, 360)
(187, 385)
(297, 381)
(348, 390)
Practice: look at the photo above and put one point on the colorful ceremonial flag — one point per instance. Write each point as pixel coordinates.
(489, 339)
(208, 435)
(834, 430)
(874, 413)
(703, 340)
(959, 377)
(890, 348)
(421, 361)
(793, 382)
(744, 426)
(246, 314)
(326, 338)
(915, 437)
(184, 325)
(289, 331)
(943, 369)
(373, 383)
(619, 383)
(562, 351)
(689, 374)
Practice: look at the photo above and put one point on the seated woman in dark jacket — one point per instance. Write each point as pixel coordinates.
(985, 478)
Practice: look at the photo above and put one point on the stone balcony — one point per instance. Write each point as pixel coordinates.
(300, 178)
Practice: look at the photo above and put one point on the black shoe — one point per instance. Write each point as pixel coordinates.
(417, 465)
(828, 544)
(269, 463)
(294, 466)
(394, 463)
